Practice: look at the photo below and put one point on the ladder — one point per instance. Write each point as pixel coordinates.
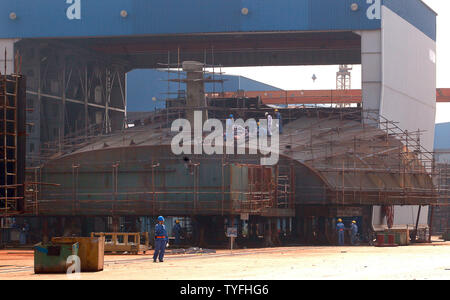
(8, 145)
(283, 191)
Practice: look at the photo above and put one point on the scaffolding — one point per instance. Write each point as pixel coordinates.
(360, 157)
(371, 158)
(441, 212)
(344, 78)
(11, 180)
(176, 101)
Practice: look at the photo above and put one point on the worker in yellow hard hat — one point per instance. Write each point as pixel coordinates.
(354, 232)
(262, 131)
(280, 121)
(340, 228)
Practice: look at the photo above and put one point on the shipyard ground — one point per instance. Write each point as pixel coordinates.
(412, 262)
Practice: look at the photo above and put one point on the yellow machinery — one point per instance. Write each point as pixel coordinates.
(124, 242)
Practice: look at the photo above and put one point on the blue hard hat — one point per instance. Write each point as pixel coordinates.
(160, 218)
(231, 115)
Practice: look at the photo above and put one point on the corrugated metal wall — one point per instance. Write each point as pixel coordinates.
(49, 18)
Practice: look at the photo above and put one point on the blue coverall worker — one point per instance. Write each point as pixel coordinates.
(229, 128)
(354, 230)
(177, 232)
(269, 124)
(23, 237)
(261, 130)
(340, 228)
(161, 239)
(280, 121)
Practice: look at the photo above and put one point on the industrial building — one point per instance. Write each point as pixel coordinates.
(441, 214)
(87, 171)
(147, 90)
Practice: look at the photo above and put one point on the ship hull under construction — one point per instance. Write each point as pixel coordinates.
(331, 165)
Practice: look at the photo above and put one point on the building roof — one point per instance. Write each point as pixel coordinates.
(143, 85)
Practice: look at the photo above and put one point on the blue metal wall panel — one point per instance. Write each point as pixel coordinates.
(47, 18)
(442, 136)
(269, 15)
(337, 15)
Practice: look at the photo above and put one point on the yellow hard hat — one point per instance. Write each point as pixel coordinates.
(354, 222)
(339, 220)
(177, 221)
(276, 109)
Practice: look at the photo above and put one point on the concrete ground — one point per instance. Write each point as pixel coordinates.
(412, 262)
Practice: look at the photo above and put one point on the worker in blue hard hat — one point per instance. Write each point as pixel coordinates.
(161, 240)
(340, 228)
(354, 231)
(229, 128)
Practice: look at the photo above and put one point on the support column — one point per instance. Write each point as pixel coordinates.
(195, 89)
(115, 224)
(39, 104)
(121, 76)
(221, 238)
(62, 126)
(201, 242)
(59, 226)
(275, 233)
(371, 70)
(268, 233)
(86, 99)
(45, 236)
(108, 88)
(8, 46)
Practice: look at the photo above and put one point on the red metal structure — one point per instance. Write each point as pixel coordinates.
(315, 96)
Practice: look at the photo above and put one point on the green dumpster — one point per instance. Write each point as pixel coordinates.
(52, 258)
(397, 238)
(401, 236)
